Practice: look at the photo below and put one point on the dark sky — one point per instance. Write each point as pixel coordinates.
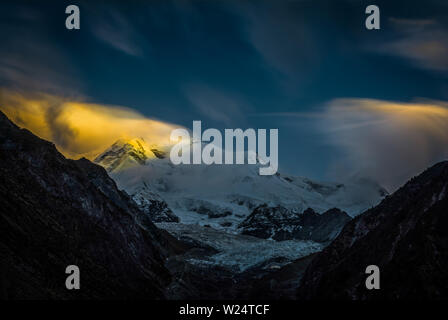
(249, 64)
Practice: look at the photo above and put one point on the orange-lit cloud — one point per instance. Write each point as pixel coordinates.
(421, 41)
(387, 141)
(80, 129)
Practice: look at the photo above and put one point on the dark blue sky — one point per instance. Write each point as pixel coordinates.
(261, 64)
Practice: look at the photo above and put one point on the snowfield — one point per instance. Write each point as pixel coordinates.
(222, 196)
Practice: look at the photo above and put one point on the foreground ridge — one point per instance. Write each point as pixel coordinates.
(405, 236)
(57, 212)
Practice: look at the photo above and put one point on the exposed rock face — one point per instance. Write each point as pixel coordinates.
(57, 212)
(154, 206)
(280, 223)
(405, 236)
(159, 153)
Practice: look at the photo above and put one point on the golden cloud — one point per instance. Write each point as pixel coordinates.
(81, 129)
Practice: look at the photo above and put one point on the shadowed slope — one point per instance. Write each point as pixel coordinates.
(405, 235)
(56, 212)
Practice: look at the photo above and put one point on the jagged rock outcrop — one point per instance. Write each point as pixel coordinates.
(57, 212)
(280, 223)
(154, 206)
(405, 236)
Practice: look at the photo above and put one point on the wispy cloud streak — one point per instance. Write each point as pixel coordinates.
(386, 141)
(423, 42)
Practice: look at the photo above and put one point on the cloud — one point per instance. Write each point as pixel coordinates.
(116, 31)
(29, 58)
(281, 35)
(423, 42)
(386, 141)
(77, 128)
(216, 105)
(292, 114)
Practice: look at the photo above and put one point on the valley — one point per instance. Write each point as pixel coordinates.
(168, 235)
(241, 228)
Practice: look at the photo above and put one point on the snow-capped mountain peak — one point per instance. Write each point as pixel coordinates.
(125, 154)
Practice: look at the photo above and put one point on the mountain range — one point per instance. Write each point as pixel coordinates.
(139, 227)
(222, 196)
